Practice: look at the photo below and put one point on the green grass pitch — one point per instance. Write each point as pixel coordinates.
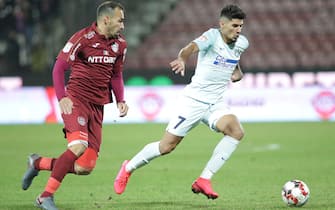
(269, 155)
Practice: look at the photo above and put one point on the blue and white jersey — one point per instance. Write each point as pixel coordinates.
(215, 65)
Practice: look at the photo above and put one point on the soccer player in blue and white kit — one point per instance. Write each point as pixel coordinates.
(219, 51)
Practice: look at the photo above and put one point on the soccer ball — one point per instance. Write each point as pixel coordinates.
(295, 193)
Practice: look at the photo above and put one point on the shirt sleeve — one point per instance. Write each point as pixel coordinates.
(72, 47)
(118, 86)
(206, 40)
(117, 82)
(118, 66)
(58, 73)
(243, 42)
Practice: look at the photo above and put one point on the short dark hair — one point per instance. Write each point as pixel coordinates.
(108, 7)
(232, 11)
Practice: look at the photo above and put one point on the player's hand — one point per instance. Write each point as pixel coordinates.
(123, 108)
(178, 66)
(66, 105)
(235, 78)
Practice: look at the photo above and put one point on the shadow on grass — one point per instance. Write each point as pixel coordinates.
(161, 205)
(18, 206)
(184, 205)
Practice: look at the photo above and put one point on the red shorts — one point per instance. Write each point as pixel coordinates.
(84, 124)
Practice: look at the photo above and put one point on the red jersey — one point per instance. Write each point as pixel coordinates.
(94, 59)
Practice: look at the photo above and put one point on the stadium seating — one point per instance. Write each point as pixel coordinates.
(283, 34)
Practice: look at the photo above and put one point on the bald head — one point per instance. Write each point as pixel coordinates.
(110, 18)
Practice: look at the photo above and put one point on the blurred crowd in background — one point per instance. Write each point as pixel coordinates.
(284, 35)
(25, 26)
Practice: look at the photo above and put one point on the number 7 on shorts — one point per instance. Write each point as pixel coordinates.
(182, 119)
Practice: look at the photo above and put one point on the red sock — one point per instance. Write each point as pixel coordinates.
(44, 163)
(63, 164)
(47, 164)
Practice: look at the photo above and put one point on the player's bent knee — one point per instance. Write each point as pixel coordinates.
(86, 162)
(81, 170)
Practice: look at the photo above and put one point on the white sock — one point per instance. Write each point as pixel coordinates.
(149, 152)
(221, 154)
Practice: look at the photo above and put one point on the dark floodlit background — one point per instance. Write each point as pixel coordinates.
(285, 35)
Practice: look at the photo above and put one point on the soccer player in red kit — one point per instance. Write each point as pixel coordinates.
(95, 56)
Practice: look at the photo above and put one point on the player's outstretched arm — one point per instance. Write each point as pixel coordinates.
(178, 65)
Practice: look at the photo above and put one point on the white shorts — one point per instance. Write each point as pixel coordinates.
(190, 112)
